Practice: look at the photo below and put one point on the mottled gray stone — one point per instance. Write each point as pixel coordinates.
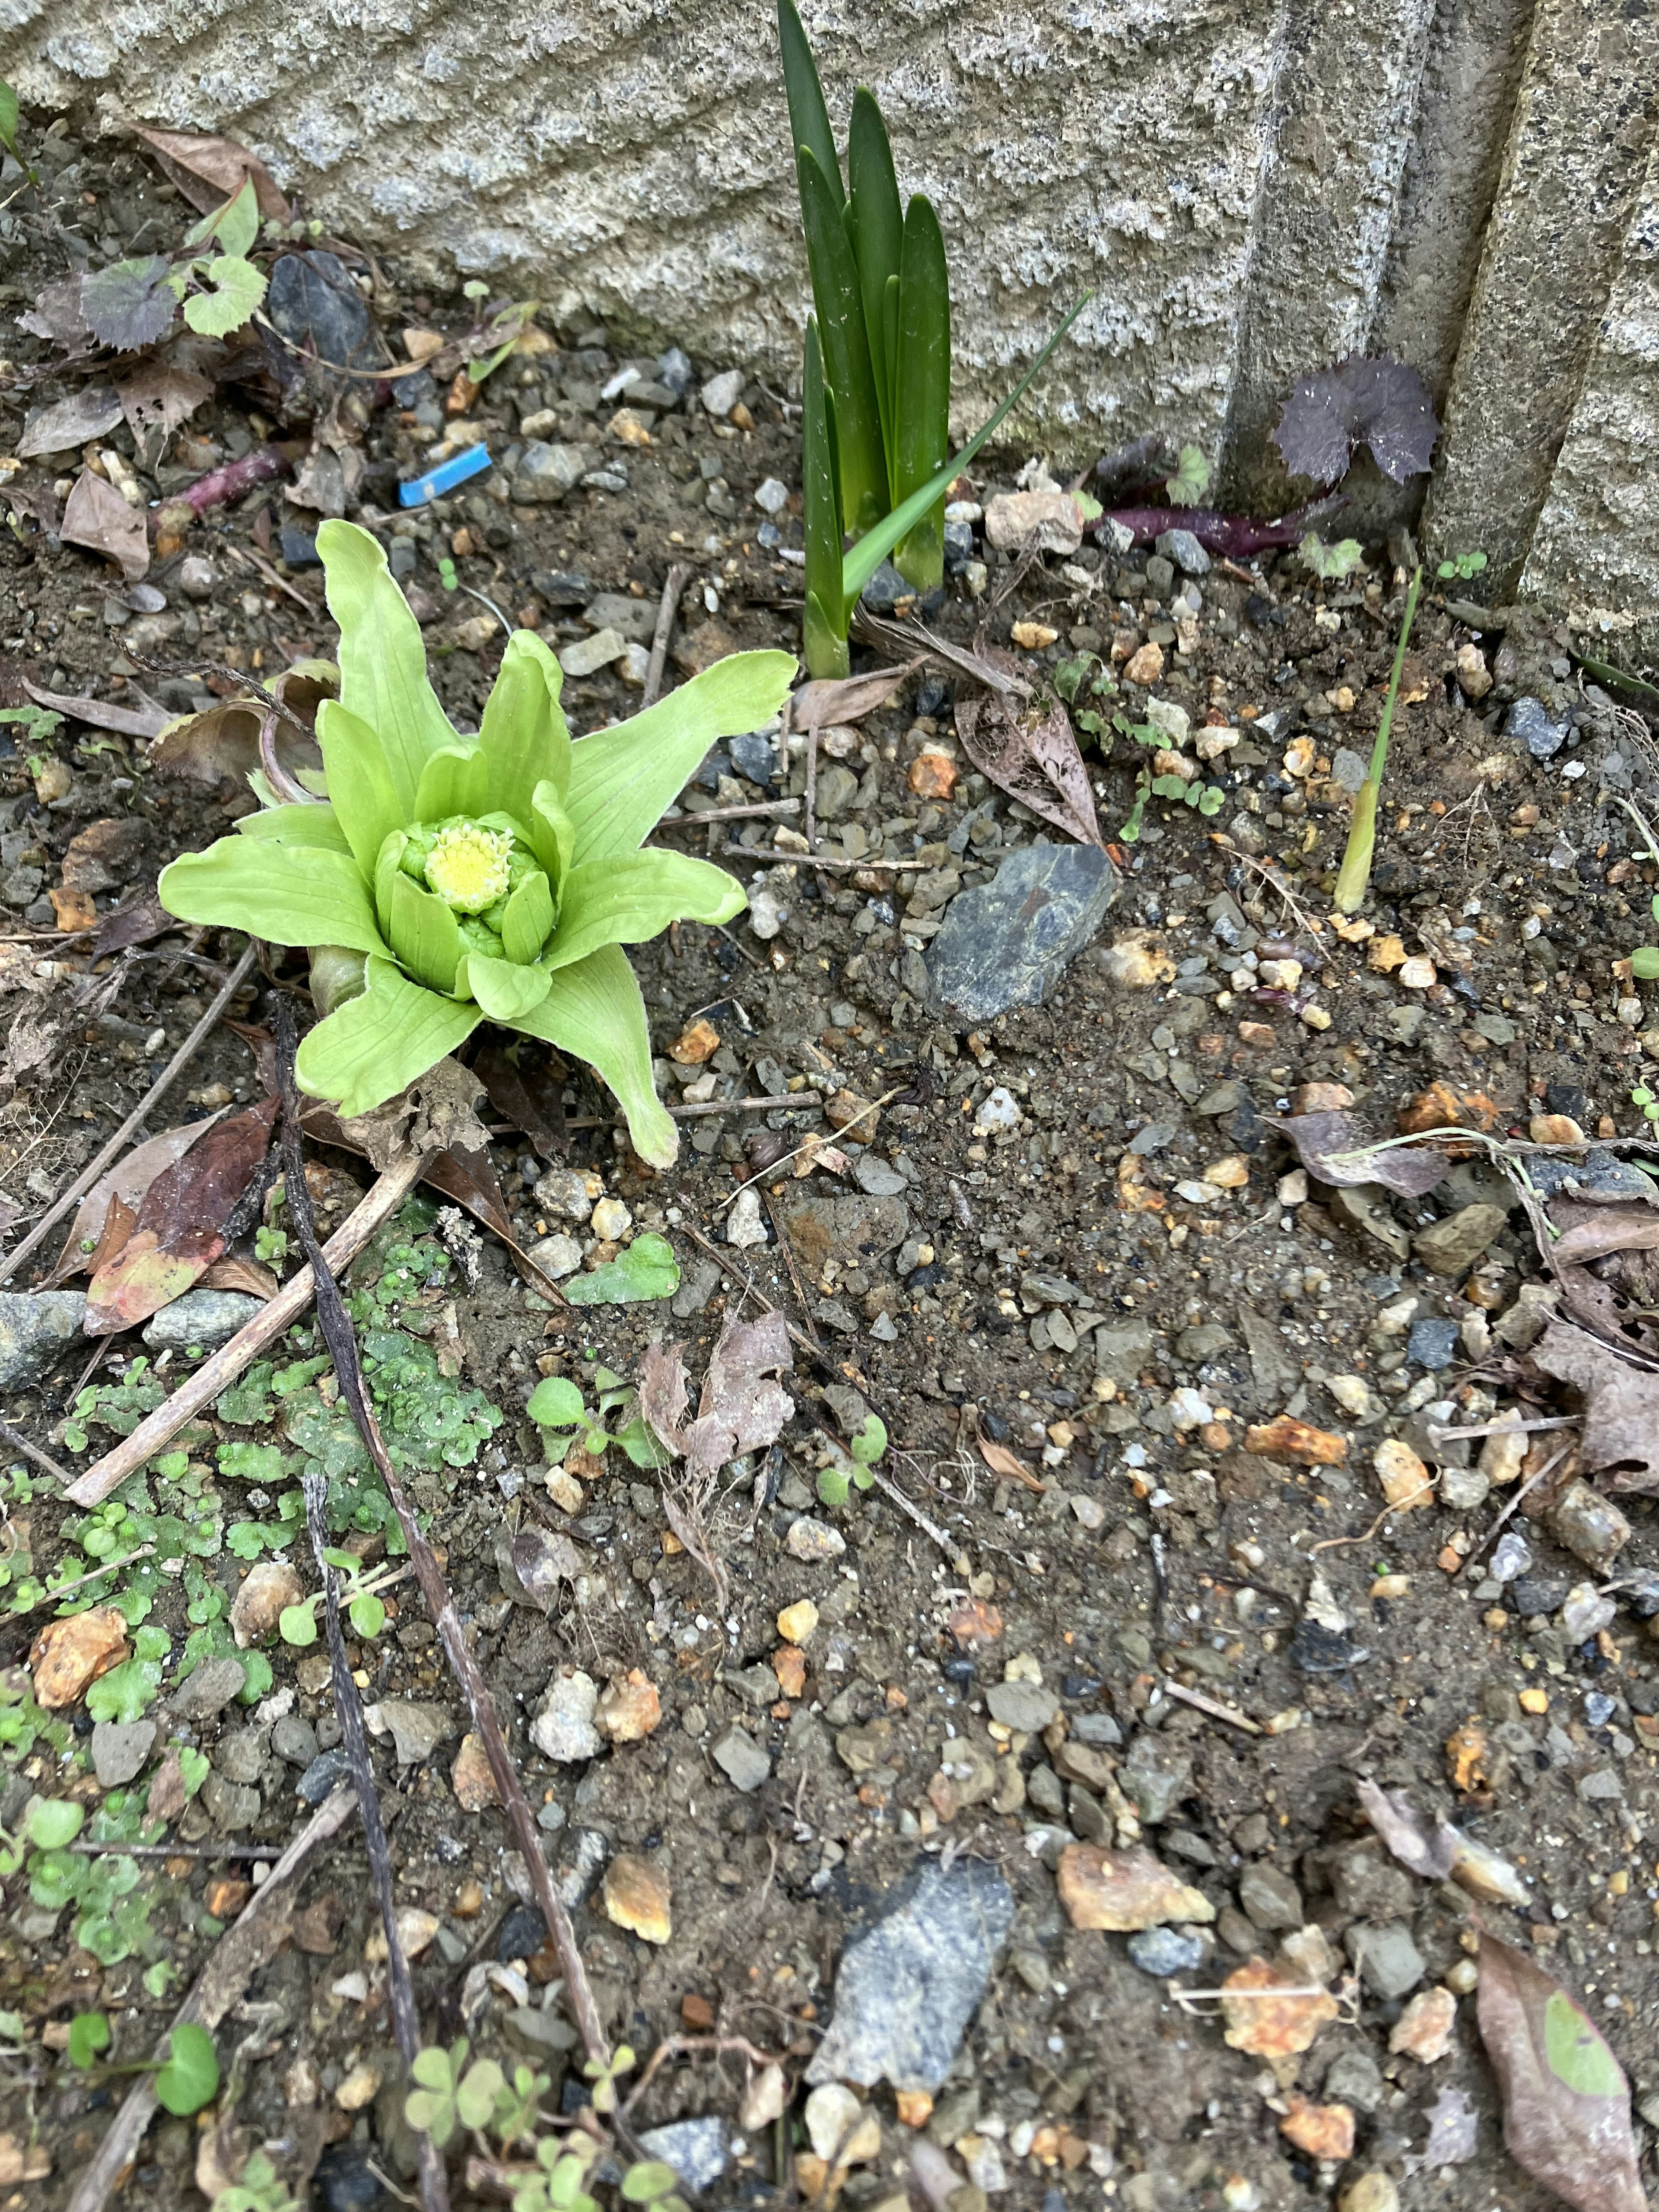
(908, 1987)
(743, 1761)
(1024, 1705)
(698, 2151)
(1162, 1951)
(416, 1729)
(1008, 942)
(209, 1690)
(36, 1328)
(119, 1752)
(1388, 1960)
(209, 1318)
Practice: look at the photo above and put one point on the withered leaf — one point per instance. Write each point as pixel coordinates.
(96, 516)
(529, 1090)
(1621, 1405)
(1330, 1147)
(127, 1181)
(1031, 755)
(1596, 1230)
(221, 744)
(1566, 2102)
(100, 714)
(1380, 403)
(85, 414)
(180, 1223)
(741, 1409)
(160, 395)
(137, 922)
(56, 315)
(211, 170)
(1429, 1851)
(845, 698)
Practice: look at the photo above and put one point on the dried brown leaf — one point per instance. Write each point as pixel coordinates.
(845, 698)
(85, 414)
(1594, 1231)
(137, 922)
(1566, 2102)
(209, 169)
(1032, 756)
(160, 395)
(179, 1231)
(529, 1092)
(96, 516)
(250, 1275)
(998, 1457)
(127, 1181)
(1330, 1147)
(1425, 1851)
(101, 714)
(1621, 1405)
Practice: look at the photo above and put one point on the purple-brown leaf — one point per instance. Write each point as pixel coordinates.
(127, 1181)
(1032, 754)
(1382, 403)
(1566, 2102)
(1330, 1147)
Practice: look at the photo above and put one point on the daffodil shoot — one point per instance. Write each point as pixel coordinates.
(449, 879)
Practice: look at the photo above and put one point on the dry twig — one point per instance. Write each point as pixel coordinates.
(678, 576)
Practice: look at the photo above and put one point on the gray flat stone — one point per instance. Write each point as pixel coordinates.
(546, 473)
(1162, 1951)
(743, 1761)
(209, 1690)
(36, 1328)
(1389, 1960)
(908, 1987)
(327, 1770)
(209, 1318)
(417, 1730)
(230, 1805)
(119, 1752)
(1008, 942)
(1025, 1705)
(698, 2151)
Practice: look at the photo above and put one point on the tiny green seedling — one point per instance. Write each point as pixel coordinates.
(1644, 1097)
(88, 2038)
(854, 1470)
(1461, 567)
(260, 2189)
(1204, 798)
(186, 2077)
(271, 1245)
(1191, 479)
(446, 574)
(1644, 960)
(1334, 564)
(297, 1624)
(1354, 879)
(560, 1412)
(10, 115)
(605, 2076)
(1085, 677)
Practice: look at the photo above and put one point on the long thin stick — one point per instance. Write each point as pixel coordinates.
(689, 821)
(348, 1709)
(117, 1143)
(678, 576)
(238, 1956)
(199, 1390)
(770, 853)
(342, 1341)
(44, 1461)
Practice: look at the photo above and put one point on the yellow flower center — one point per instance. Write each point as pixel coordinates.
(467, 867)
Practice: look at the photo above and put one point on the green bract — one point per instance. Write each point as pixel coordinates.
(451, 879)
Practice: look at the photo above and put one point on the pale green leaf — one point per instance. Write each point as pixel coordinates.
(382, 657)
(1575, 2052)
(647, 1268)
(316, 827)
(386, 865)
(237, 288)
(594, 1012)
(555, 1403)
(621, 779)
(371, 1048)
(1191, 480)
(288, 894)
(523, 734)
(51, 1822)
(454, 781)
(236, 225)
(423, 931)
(627, 899)
(505, 991)
(360, 792)
(552, 834)
(528, 920)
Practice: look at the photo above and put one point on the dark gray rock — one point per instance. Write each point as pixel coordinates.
(546, 472)
(1156, 1776)
(1008, 942)
(1183, 549)
(888, 593)
(36, 1328)
(327, 1770)
(293, 1740)
(909, 1987)
(1162, 1951)
(208, 1318)
(1531, 721)
(239, 1754)
(1271, 1898)
(743, 1761)
(1432, 1343)
(756, 757)
(313, 301)
(230, 1806)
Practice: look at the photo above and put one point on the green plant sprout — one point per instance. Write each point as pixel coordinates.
(1334, 564)
(1353, 878)
(271, 1245)
(1191, 479)
(88, 2036)
(1645, 961)
(854, 1468)
(876, 371)
(603, 2077)
(452, 880)
(447, 575)
(297, 1624)
(1461, 567)
(10, 116)
(1206, 798)
(1069, 679)
(131, 303)
(260, 2189)
(559, 1411)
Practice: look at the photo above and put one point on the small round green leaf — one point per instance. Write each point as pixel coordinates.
(88, 2034)
(555, 1403)
(366, 1614)
(651, 2179)
(189, 2078)
(297, 1624)
(52, 1822)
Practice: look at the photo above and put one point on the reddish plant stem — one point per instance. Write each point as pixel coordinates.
(263, 463)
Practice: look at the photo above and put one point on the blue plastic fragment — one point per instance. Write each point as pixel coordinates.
(419, 491)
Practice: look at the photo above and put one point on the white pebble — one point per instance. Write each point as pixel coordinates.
(743, 1225)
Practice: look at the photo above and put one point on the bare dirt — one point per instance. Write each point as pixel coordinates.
(1060, 1282)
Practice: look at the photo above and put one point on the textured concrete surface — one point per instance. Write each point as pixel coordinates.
(1249, 186)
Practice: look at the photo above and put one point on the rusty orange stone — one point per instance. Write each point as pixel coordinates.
(74, 909)
(1442, 1105)
(471, 1779)
(1266, 2017)
(789, 1665)
(1124, 1890)
(701, 1041)
(225, 1900)
(1146, 665)
(932, 775)
(697, 2012)
(974, 1622)
(628, 1709)
(1285, 1437)
(1322, 2130)
(69, 1655)
(915, 2107)
(1466, 1755)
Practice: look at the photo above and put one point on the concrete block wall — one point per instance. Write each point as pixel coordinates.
(1248, 186)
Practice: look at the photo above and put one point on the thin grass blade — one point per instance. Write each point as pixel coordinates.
(921, 437)
(809, 118)
(877, 240)
(826, 628)
(846, 368)
(872, 549)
